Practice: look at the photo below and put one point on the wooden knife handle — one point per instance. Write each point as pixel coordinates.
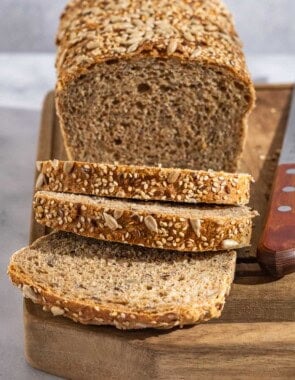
(276, 249)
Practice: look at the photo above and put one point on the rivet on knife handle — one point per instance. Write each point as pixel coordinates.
(276, 250)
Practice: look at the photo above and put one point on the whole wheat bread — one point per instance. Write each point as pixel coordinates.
(151, 224)
(143, 182)
(94, 282)
(152, 82)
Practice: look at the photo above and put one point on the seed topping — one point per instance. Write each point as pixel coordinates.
(151, 223)
(39, 165)
(68, 167)
(229, 243)
(196, 226)
(173, 176)
(40, 181)
(56, 310)
(110, 221)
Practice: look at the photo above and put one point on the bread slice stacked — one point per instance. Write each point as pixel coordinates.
(165, 274)
(95, 282)
(151, 224)
(144, 182)
(141, 85)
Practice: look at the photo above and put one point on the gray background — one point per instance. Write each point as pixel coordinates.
(265, 26)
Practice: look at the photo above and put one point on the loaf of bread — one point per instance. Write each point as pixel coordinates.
(95, 282)
(144, 182)
(151, 224)
(150, 82)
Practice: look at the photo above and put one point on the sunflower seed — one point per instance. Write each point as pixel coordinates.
(96, 51)
(172, 46)
(93, 45)
(132, 48)
(173, 176)
(39, 165)
(68, 167)
(133, 41)
(196, 53)
(118, 214)
(196, 226)
(137, 34)
(189, 37)
(197, 29)
(55, 310)
(40, 181)
(28, 292)
(151, 223)
(229, 243)
(54, 164)
(110, 221)
(119, 50)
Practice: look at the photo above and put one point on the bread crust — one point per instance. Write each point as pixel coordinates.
(144, 183)
(148, 224)
(113, 314)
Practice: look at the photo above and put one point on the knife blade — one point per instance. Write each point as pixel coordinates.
(287, 155)
(276, 249)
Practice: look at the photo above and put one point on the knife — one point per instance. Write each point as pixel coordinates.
(276, 249)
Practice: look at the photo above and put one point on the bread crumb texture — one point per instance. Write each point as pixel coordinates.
(93, 282)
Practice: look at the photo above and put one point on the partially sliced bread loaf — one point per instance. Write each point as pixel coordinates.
(151, 224)
(94, 282)
(152, 82)
(143, 182)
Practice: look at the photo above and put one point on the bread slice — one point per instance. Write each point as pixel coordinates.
(151, 224)
(143, 182)
(148, 83)
(94, 282)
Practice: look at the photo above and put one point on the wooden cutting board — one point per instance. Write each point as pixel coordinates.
(254, 338)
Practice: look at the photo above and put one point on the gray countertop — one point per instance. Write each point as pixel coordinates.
(24, 81)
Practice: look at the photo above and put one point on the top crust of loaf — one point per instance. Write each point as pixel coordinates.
(93, 31)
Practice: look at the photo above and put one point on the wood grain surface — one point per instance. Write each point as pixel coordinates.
(254, 338)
